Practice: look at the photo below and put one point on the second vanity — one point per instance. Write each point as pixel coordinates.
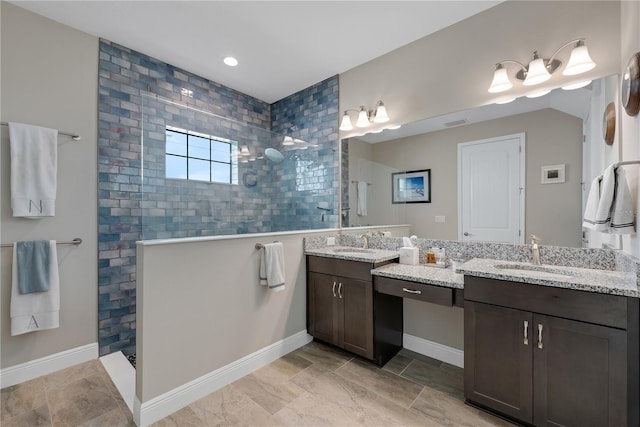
(544, 345)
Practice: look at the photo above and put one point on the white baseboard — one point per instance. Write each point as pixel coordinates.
(159, 407)
(45, 365)
(450, 355)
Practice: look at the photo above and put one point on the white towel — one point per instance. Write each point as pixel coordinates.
(591, 209)
(34, 158)
(622, 217)
(272, 266)
(362, 198)
(38, 310)
(607, 190)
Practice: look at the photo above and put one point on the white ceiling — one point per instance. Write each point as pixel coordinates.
(282, 46)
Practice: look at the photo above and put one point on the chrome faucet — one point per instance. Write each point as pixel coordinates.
(365, 237)
(535, 250)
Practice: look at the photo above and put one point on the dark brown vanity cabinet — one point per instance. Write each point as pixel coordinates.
(342, 309)
(551, 357)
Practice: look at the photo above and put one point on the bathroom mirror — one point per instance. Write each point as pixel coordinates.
(553, 125)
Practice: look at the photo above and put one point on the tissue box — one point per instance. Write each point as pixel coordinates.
(409, 256)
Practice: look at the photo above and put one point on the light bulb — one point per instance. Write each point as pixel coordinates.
(345, 124)
(380, 115)
(578, 85)
(363, 118)
(500, 81)
(579, 61)
(537, 72)
(539, 93)
(287, 141)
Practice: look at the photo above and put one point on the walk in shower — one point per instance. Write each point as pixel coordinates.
(206, 175)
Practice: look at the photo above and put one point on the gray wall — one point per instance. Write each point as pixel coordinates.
(49, 78)
(218, 314)
(552, 212)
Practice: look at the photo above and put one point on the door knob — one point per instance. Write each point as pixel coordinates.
(466, 234)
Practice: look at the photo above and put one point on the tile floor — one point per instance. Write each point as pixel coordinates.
(314, 385)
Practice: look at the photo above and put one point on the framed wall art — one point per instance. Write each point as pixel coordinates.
(553, 174)
(411, 186)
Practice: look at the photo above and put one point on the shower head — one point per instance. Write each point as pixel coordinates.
(274, 155)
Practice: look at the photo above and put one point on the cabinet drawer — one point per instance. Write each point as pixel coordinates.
(420, 291)
(340, 267)
(603, 309)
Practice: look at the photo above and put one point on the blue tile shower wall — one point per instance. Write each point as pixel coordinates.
(173, 208)
(308, 178)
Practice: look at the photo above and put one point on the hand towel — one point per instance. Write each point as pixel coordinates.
(622, 217)
(607, 189)
(362, 198)
(272, 266)
(34, 158)
(39, 310)
(33, 264)
(593, 200)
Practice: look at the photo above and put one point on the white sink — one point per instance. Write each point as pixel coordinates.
(536, 270)
(353, 250)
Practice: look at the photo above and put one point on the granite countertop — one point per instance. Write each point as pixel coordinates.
(422, 273)
(354, 254)
(581, 279)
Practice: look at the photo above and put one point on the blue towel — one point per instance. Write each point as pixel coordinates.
(33, 262)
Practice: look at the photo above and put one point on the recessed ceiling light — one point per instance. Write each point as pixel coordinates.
(230, 61)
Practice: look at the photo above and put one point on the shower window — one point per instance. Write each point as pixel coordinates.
(198, 157)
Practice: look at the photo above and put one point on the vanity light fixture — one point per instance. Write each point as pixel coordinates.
(365, 117)
(540, 69)
(289, 140)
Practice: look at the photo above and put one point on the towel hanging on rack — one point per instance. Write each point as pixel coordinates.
(34, 162)
(608, 207)
(362, 198)
(272, 266)
(35, 311)
(622, 217)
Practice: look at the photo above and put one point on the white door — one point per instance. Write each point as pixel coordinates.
(491, 189)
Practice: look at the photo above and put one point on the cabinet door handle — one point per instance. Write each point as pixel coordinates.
(539, 335)
(411, 291)
(340, 289)
(334, 289)
(526, 333)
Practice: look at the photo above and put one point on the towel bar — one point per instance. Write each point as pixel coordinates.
(260, 245)
(74, 136)
(76, 241)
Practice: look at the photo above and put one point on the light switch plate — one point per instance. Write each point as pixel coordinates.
(440, 218)
(331, 241)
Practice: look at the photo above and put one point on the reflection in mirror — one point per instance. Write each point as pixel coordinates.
(553, 125)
